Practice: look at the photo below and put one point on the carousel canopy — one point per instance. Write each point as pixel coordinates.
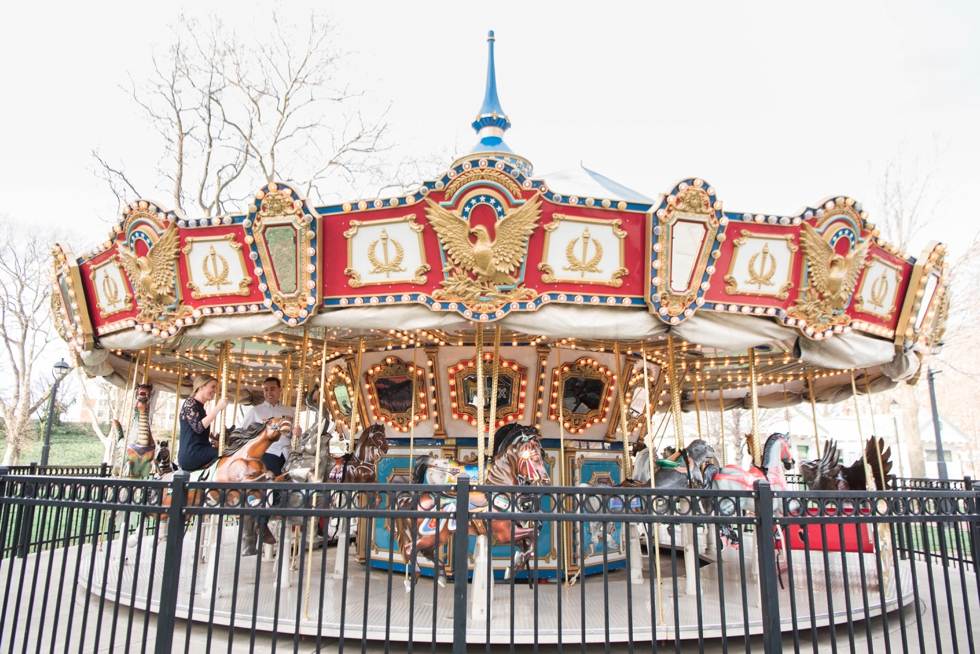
(572, 258)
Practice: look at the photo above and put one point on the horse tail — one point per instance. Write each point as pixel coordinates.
(419, 468)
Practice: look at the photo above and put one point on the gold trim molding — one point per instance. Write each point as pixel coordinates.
(387, 266)
(693, 203)
(588, 369)
(585, 263)
(110, 288)
(878, 295)
(218, 275)
(515, 409)
(761, 274)
(393, 368)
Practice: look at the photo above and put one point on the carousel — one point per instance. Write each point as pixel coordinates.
(492, 298)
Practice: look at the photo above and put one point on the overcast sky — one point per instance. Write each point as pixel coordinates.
(778, 105)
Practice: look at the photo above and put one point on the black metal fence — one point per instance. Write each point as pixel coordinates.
(93, 564)
(101, 470)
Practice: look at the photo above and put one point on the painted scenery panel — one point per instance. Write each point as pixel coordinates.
(282, 249)
(505, 389)
(394, 394)
(582, 395)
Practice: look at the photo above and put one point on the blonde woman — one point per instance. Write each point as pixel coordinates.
(196, 451)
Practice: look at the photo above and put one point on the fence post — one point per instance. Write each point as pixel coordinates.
(171, 563)
(461, 563)
(27, 522)
(765, 545)
(104, 470)
(974, 522)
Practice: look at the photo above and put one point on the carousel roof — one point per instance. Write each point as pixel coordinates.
(585, 183)
(571, 257)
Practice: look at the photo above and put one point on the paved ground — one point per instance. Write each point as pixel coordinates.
(81, 622)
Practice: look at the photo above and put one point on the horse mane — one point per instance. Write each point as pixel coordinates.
(767, 448)
(419, 468)
(364, 437)
(642, 463)
(242, 437)
(508, 434)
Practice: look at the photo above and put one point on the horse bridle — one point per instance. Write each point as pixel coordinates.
(524, 454)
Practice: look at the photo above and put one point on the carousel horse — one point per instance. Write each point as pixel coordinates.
(827, 473)
(337, 465)
(361, 465)
(776, 456)
(518, 460)
(240, 462)
(163, 461)
(685, 471)
(139, 453)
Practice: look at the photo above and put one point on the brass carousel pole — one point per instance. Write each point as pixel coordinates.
(287, 378)
(126, 413)
(857, 416)
(655, 551)
(697, 402)
(566, 529)
(238, 385)
(225, 348)
(886, 536)
(480, 399)
(622, 412)
(813, 412)
(131, 388)
(495, 374)
(180, 379)
(146, 365)
(721, 423)
(411, 436)
(130, 407)
(299, 387)
(871, 407)
(561, 424)
(675, 395)
(754, 390)
(316, 470)
(355, 411)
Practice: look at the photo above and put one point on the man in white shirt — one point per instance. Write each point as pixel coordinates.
(275, 456)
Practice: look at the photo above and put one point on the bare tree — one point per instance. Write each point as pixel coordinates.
(911, 195)
(114, 401)
(234, 113)
(27, 331)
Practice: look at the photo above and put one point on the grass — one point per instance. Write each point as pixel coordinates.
(71, 444)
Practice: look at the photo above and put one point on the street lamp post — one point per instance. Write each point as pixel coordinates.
(59, 371)
(931, 377)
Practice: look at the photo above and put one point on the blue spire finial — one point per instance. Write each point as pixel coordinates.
(492, 122)
(491, 113)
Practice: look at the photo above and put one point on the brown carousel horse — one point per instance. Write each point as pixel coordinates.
(357, 467)
(241, 461)
(361, 465)
(518, 460)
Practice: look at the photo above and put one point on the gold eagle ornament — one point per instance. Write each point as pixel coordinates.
(831, 275)
(492, 261)
(152, 276)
